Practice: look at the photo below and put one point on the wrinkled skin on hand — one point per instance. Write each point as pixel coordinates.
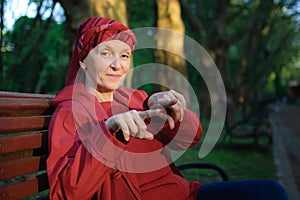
(132, 123)
(171, 100)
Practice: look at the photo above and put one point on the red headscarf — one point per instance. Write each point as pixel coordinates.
(91, 33)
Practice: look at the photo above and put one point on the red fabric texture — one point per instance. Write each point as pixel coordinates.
(75, 173)
(91, 33)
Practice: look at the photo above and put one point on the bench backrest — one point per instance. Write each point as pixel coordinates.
(24, 120)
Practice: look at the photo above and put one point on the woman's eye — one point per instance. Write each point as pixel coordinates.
(125, 56)
(104, 53)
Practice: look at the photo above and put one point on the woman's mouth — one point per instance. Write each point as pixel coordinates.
(114, 76)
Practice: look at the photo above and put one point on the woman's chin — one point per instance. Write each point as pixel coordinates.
(109, 88)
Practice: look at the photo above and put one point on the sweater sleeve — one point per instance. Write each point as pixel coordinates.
(79, 156)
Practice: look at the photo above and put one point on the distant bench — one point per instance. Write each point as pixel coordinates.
(294, 92)
(254, 125)
(24, 120)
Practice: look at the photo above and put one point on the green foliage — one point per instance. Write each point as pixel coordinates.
(248, 40)
(56, 50)
(144, 17)
(36, 55)
(254, 43)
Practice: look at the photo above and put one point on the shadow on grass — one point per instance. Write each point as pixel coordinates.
(238, 159)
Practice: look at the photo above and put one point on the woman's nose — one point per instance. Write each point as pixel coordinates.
(116, 64)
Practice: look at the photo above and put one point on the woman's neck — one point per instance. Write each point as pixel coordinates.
(101, 96)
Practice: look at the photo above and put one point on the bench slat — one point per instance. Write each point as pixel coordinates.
(24, 189)
(22, 142)
(10, 107)
(24, 120)
(22, 124)
(24, 166)
(17, 155)
(4, 94)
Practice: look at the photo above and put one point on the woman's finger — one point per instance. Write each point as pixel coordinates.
(145, 135)
(125, 129)
(178, 111)
(180, 97)
(168, 102)
(150, 113)
(161, 113)
(141, 126)
(144, 114)
(164, 99)
(170, 121)
(130, 122)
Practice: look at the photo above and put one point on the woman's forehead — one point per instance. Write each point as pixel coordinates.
(114, 44)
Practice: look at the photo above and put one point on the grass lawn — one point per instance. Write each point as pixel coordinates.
(238, 159)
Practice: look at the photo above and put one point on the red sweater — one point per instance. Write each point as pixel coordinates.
(86, 161)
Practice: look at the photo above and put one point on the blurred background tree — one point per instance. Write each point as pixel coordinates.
(34, 54)
(254, 43)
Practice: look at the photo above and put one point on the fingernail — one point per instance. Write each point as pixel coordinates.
(126, 138)
(149, 136)
(171, 125)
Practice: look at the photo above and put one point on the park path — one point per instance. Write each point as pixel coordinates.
(285, 122)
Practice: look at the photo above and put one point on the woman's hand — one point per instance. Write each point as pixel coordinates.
(132, 123)
(169, 99)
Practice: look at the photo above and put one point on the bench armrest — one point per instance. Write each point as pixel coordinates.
(201, 165)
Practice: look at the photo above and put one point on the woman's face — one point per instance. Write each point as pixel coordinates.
(106, 65)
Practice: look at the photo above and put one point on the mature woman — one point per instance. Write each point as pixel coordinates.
(109, 142)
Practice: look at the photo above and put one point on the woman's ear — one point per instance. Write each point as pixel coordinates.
(82, 65)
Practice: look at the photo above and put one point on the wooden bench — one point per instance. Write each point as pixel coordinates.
(24, 120)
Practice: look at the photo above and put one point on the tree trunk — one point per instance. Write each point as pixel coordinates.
(169, 17)
(78, 10)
